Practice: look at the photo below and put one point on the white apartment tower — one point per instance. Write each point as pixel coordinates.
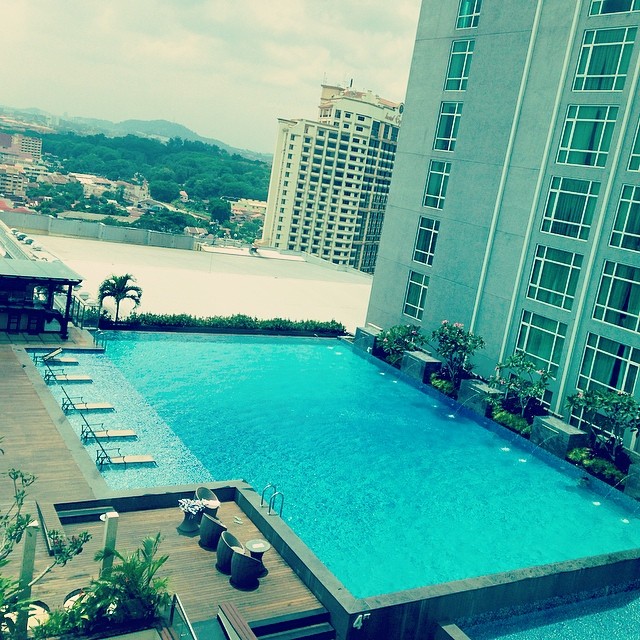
(330, 178)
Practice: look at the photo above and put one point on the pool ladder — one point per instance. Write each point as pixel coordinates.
(272, 500)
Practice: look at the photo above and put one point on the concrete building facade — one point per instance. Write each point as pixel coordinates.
(515, 204)
(330, 178)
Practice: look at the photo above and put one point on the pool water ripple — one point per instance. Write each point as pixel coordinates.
(388, 490)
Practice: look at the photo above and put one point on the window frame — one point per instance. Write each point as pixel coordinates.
(613, 282)
(528, 329)
(560, 196)
(575, 127)
(624, 234)
(624, 368)
(421, 285)
(459, 83)
(596, 8)
(592, 55)
(438, 181)
(544, 258)
(428, 230)
(468, 14)
(446, 134)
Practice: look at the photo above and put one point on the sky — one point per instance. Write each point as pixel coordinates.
(225, 68)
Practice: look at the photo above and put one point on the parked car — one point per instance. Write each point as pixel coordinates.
(27, 240)
(21, 236)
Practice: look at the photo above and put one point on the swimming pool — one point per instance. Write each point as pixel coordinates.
(390, 487)
(613, 617)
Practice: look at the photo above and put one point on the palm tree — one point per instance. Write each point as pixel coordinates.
(120, 288)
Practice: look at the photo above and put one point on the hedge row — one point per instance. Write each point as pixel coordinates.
(238, 321)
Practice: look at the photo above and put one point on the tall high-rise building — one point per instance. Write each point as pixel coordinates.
(515, 203)
(330, 178)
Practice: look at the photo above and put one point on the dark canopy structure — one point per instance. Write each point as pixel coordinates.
(35, 296)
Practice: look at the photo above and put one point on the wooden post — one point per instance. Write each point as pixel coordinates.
(109, 539)
(26, 576)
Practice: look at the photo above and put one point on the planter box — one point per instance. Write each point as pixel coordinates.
(419, 365)
(556, 436)
(473, 395)
(365, 339)
(632, 485)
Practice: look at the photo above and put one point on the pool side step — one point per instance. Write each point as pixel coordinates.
(313, 624)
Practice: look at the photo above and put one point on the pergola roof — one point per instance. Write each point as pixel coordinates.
(38, 270)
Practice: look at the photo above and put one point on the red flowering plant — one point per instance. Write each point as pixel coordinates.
(398, 339)
(521, 383)
(456, 346)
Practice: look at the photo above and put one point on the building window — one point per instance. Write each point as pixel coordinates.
(426, 239)
(468, 14)
(604, 59)
(415, 295)
(618, 300)
(634, 160)
(570, 206)
(608, 365)
(459, 65)
(542, 339)
(626, 229)
(437, 181)
(599, 7)
(448, 122)
(554, 277)
(586, 135)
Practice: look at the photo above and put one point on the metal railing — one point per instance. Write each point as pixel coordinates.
(179, 621)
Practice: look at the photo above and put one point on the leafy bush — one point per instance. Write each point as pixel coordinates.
(520, 382)
(601, 468)
(238, 321)
(398, 339)
(456, 346)
(443, 386)
(511, 421)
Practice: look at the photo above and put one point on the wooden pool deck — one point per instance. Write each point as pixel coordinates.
(38, 439)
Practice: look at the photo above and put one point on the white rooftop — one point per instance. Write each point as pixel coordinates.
(220, 282)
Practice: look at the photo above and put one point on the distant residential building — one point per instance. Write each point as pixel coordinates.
(247, 209)
(13, 181)
(330, 178)
(21, 146)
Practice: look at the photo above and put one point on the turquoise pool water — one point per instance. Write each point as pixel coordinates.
(610, 618)
(391, 488)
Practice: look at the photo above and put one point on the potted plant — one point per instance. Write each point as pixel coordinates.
(398, 339)
(192, 510)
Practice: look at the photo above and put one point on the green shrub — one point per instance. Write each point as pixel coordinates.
(443, 386)
(511, 421)
(395, 340)
(601, 468)
(237, 321)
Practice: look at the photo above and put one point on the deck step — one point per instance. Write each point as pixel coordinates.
(106, 434)
(132, 459)
(322, 631)
(313, 623)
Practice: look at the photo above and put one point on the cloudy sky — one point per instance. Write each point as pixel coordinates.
(225, 68)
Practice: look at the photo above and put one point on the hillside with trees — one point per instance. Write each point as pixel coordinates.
(204, 171)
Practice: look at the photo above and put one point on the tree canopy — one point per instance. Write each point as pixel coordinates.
(204, 171)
